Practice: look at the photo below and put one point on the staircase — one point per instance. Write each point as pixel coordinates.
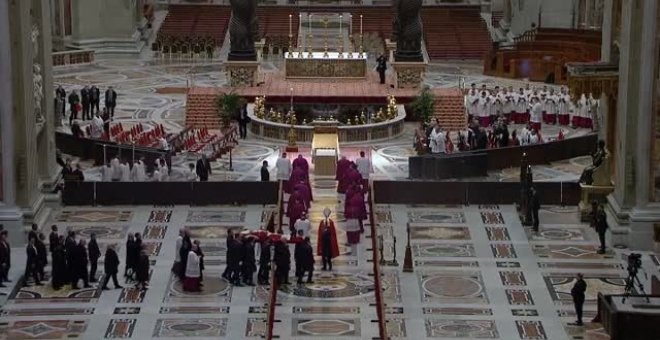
(200, 110)
(450, 109)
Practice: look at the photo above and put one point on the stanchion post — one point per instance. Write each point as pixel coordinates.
(407, 258)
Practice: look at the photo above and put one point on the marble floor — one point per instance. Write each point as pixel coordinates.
(152, 92)
(478, 274)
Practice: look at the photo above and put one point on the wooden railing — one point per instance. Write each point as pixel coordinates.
(378, 286)
(529, 35)
(73, 57)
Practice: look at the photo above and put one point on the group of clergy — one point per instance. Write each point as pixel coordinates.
(353, 182)
(532, 105)
(295, 178)
(72, 260)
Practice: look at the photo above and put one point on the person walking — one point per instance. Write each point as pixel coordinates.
(111, 267)
(578, 294)
(94, 253)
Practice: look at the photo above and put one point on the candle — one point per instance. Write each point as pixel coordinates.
(341, 18)
(309, 17)
(360, 24)
(290, 27)
(350, 24)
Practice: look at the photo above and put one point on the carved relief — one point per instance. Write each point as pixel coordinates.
(410, 78)
(37, 77)
(241, 76)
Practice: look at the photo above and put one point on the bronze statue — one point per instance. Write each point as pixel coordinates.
(597, 159)
(243, 30)
(408, 30)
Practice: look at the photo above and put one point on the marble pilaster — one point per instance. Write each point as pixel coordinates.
(10, 215)
(46, 137)
(606, 30)
(630, 212)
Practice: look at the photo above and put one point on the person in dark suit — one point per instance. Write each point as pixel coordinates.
(282, 262)
(599, 223)
(265, 174)
(69, 250)
(249, 265)
(42, 256)
(111, 267)
(60, 95)
(203, 169)
(59, 269)
(264, 263)
(53, 238)
(111, 100)
(142, 273)
(243, 121)
(86, 98)
(34, 231)
(381, 67)
(186, 246)
(5, 258)
(74, 100)
(32, 264)
(198, 251)
(95, 99)
(535, 204)
(78, 266)
(305, 259)
(94, 253)
(578, 294)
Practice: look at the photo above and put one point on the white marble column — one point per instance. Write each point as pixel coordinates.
(630, 209)
(10, 214)
(606, 31)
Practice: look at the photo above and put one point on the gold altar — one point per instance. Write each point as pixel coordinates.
(317, 65)
(325, 149)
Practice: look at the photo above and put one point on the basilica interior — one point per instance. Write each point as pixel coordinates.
(491, 131)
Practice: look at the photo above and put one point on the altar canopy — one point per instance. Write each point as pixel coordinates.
(321, 65)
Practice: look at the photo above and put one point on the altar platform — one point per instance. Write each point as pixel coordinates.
(201, 111)
(328, 65)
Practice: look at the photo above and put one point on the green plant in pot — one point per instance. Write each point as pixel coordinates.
(227, 105)
(424, 105)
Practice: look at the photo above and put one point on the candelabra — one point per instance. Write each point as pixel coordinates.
(309, 45)
(350, 46)
(290, 54)
(394, 261)
(381, 248)
(361, 52)
(325, 39)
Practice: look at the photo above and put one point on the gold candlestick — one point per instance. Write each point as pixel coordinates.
(350, 46)
(361, 53)
(309, 46)
(341, 47)
(325, 38)
(290, 54)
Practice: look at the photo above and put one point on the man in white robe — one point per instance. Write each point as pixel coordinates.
(437, 141)
(363, 166)
(138, 173)
(97, 126)
(116, 170)
(303, 224)
(191, 174)
(536, 114)
(125, 171)
(283, 166)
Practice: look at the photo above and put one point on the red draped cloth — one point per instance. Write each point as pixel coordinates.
(334, 246)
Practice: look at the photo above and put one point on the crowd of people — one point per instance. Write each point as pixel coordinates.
(531, 105)
(87, 103)
(490, 114)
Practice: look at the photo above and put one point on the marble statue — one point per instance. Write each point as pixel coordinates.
(408, 30)
(38, 90)
(243, 30)
(34, 38)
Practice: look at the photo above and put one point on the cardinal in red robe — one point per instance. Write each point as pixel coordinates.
(301, 163)
(295, 209)
(342, 166)
(305, 192)
(326, 245)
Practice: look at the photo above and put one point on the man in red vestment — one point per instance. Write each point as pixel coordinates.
(342, 166)
(295, 209)
(301, 163)
(327, 246)
(304, 192)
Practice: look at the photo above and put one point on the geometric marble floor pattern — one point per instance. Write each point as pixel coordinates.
(478, 275)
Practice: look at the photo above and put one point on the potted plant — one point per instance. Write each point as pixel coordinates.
(227, 105)
(424, 105)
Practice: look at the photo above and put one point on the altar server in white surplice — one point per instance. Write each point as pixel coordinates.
(437, 141)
